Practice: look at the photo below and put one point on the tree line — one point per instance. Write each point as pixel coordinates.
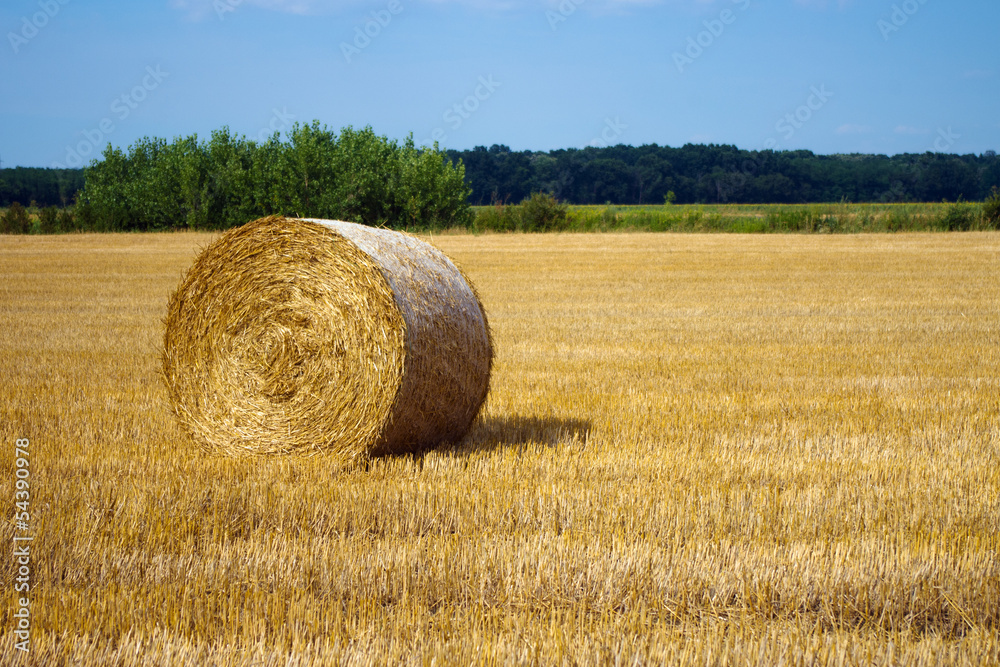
(357, 175)
(43, 187)
(718, 174)
(315, 173)
(227, 180)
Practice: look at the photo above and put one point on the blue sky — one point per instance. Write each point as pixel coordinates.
(831, 76)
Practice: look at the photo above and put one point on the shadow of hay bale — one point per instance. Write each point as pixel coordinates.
(490, 433)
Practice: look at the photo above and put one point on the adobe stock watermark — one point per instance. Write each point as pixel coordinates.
(900, 16)
(787, 125)
(223, 7)
(31, 26)
(121, 107)
(945, 140)
(22, 543)
(566, 8)
(697, 45)
(795, 120)
(461, 111)
(363, 35)
(280, 120)
(612, 131)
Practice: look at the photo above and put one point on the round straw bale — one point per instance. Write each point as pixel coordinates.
(301, 335)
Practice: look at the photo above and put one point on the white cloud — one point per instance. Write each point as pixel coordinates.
(851, 128)
(909, 129)
(295, 6)
(199, 9)
(823, 4)
(977, 74)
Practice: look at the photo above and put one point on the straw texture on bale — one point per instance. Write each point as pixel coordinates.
(301, 335)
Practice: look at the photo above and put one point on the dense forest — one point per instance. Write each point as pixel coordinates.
(716, 174)
(706, 174)
(45, 187)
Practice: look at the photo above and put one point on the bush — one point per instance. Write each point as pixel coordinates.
(498, 218)
(958, 218)
(991, 210)
(85, 217)
(66, 222)
(15, 220)
(48, 220)
(609, 217)
(542, 213)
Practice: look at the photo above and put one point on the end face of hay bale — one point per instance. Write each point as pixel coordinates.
(292, 335)
(449, 351)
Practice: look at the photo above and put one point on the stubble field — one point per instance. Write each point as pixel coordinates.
(697, 449)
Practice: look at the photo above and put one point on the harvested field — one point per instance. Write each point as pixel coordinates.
(701, 449)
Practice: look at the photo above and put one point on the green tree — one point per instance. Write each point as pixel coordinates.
(991, 209)
(365, 169)
(66, 222)
(542, 213)
(186, 164)
(48, 220)
(307, 181)
(653, 177)
(106, 198)
(227, 181)
(266, 175)
(431, 190)
(15, 220)
(356, 175)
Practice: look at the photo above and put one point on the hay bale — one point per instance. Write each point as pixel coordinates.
(301, 335)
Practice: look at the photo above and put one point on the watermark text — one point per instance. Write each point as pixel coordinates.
(121, 107)
(456, 115)
(31, 26)
(22, 544)
(363, 35)
(900, 16)
(698, 44)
